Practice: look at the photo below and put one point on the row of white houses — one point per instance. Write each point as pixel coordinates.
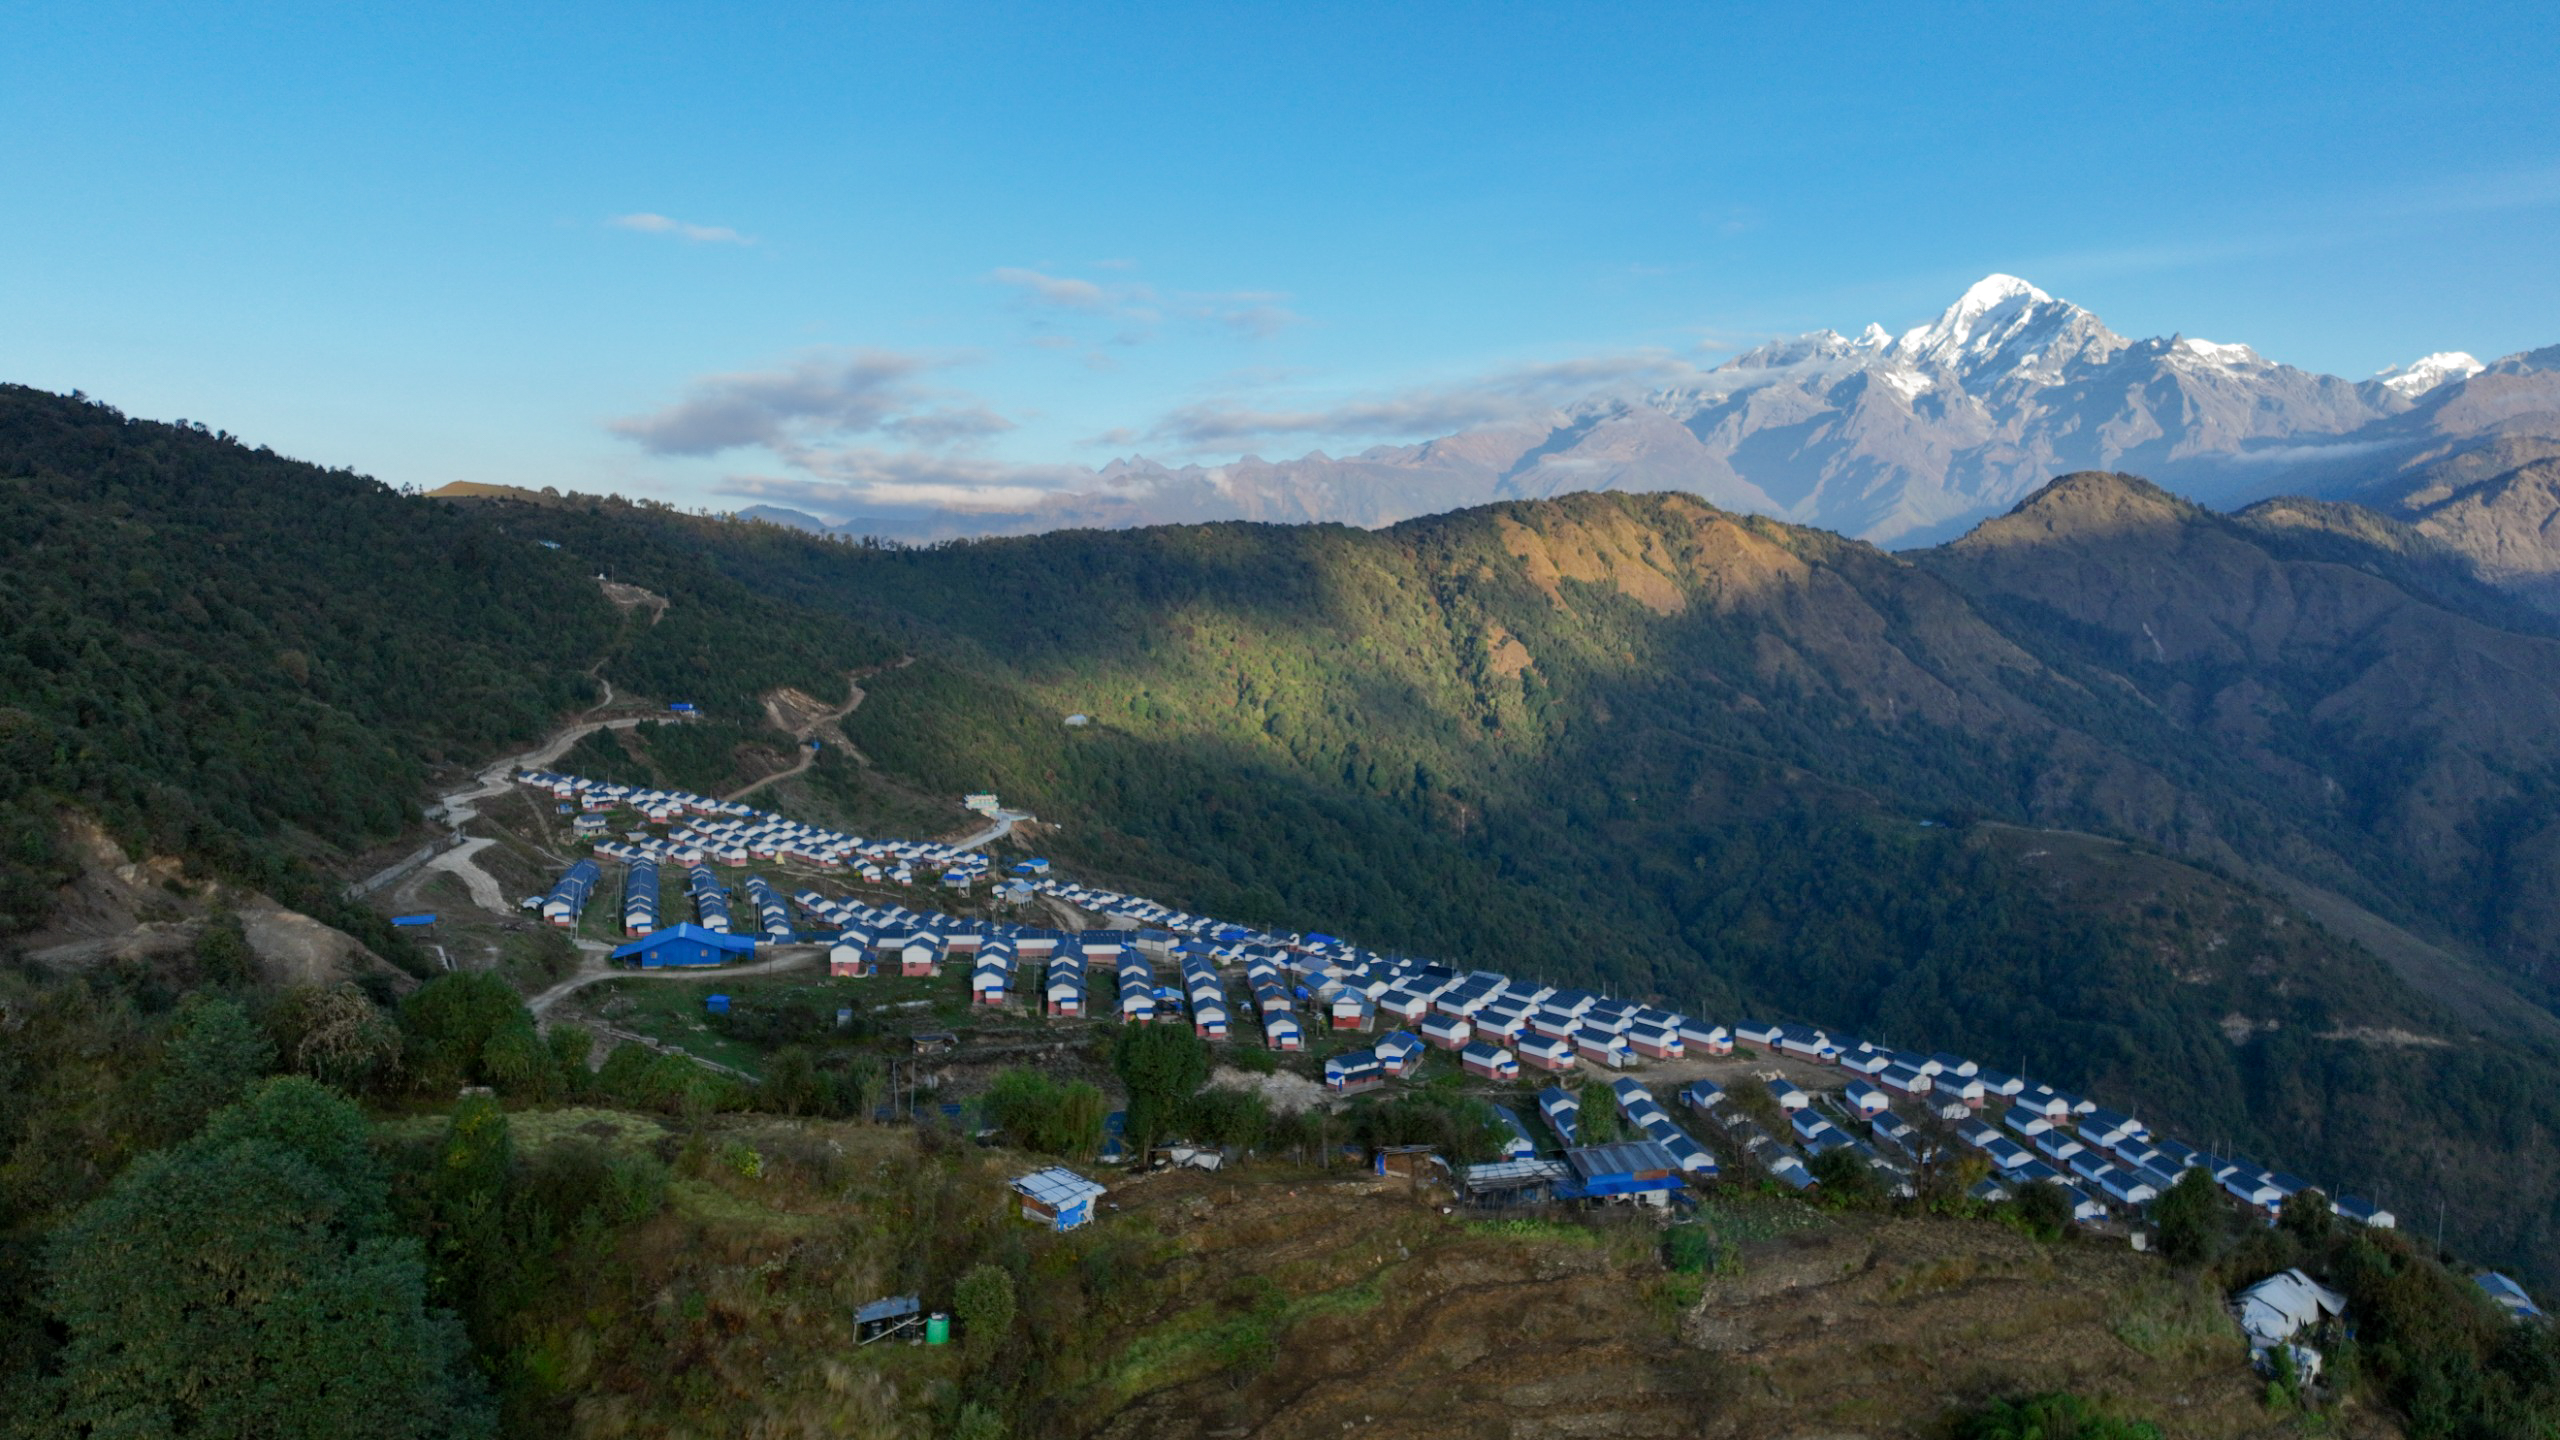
(702, 830)
(1494, 1024)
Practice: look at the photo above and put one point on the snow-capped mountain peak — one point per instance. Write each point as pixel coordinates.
(1892, 438)
(2420, 376)
(2003, 328)
(2207, 352)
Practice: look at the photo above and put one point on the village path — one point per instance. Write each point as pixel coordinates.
(459, 863)
(1003, 826)
(595, 966)
(802, 734)
(498, 777)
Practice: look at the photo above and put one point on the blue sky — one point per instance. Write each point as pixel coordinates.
(933, 251)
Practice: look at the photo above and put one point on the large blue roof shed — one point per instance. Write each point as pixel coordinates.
(1630, 1167)
(684, 945)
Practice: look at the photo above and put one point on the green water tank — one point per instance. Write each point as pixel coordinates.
(937, 1329)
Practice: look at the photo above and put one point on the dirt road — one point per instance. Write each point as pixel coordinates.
(1003, 826)
(802, 734)
(484, 889)
(461, 806)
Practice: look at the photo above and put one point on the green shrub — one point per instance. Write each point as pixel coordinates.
(1688, 1250)
(984, 1302)
(2051, 1417)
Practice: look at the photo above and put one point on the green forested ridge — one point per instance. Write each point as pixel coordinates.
(219, 651)
(244, 658)
(1627, 740)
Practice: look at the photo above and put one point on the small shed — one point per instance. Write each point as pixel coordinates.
(1057, 1197)
(2283, 1305)
(1410, 1162)
(881, 1319)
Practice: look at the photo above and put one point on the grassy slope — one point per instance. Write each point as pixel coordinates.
(1298, 1302)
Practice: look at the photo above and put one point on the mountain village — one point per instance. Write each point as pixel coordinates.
(1767, 1098)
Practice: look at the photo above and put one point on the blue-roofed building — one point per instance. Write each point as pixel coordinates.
(1057, 1197)
(1562, 1111)
(1630, 1169)
(684, 945)
(2509, 1296)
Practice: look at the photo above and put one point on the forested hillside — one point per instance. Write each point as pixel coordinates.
(1739, 764)
(1624, 739)
(255, 661)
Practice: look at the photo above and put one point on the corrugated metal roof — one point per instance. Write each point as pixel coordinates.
(1057, 1187)
(1511, 1174)
(892, 1308)
(1627, 1157)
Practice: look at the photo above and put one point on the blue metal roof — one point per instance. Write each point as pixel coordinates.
(735, 944)
(895, 1307)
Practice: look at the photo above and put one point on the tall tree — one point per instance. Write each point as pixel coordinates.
(215, 1053)
(2190, 1217)
(1162, 1066)
(247, 1283)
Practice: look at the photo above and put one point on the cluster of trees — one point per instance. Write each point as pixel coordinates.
(212, 648)
(2425, 1340)
(1034, 1112)
(253, 1280)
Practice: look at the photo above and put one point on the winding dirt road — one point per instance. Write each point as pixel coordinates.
(1005, 821)
(459, 863)
(801, 735)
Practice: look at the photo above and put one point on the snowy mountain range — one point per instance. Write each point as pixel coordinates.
(1898, 439)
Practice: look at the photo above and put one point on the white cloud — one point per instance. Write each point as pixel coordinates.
(1425, 410)
(956, 425)
(652, 224)
(819, 395)
(1259, 320)
(852, 480)
(1138, 309)
(1067, 292)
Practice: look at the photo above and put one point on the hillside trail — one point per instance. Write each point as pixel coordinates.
(803, 733)
(458, 863)
(497, 778)
(822, 725)
(1005, 820)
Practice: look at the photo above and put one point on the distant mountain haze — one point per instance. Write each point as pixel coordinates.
(1910, 439)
